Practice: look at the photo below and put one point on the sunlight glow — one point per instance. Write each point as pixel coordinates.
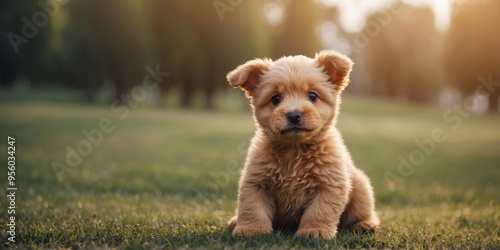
(274, 13)
(353, 13)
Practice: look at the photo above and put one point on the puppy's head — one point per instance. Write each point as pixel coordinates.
(294, 99)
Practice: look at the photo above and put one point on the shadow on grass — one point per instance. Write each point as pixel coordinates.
(184, 236)
(345, 239)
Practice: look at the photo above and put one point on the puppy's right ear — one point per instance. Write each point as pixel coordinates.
(247, 75)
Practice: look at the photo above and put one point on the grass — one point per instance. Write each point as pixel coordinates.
(168, 178)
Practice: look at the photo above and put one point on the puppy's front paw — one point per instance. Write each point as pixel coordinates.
(316, 232)
(232, 221)
(250, 231)
(369, 225)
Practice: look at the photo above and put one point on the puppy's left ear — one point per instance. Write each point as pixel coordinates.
(336, 66)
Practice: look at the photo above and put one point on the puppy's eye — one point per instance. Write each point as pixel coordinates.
(276, 99)
(313, 97)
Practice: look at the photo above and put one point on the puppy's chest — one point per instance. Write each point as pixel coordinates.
(293, 176)
(293, 181)
(292, 185)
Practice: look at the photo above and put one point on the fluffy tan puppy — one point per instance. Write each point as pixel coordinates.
(298, 173)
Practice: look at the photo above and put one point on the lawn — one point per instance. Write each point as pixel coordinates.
(168, 178)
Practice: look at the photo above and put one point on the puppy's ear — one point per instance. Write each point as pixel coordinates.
(336, 66)
(247, 75)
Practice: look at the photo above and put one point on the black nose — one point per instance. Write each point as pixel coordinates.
(294, 117)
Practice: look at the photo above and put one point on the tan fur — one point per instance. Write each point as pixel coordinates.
(303, 180)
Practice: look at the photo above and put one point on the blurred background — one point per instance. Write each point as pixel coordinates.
(422, 52)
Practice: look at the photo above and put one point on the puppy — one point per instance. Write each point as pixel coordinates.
(298, 174)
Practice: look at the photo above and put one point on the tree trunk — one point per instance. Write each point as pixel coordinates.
(493, 101)
(164, 86)
(187, 94)
(209, 99)
(88, 95)
(416, 95)
(119, 81)
(391, 88)
(210, 86)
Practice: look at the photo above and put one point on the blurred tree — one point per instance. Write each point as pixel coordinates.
(25, 31)
(8, 61)
(420, 74)
(90, 42)
(170, 39)
(102, 40)
(298, 33)
(79, 61)
(382, 59)
(401, 53)
(243, 35)
(472, 48)
(208, 44)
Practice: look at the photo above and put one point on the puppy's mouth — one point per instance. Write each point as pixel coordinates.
(295, 130)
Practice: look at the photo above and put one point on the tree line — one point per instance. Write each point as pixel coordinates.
(412, 60)
(86, 44)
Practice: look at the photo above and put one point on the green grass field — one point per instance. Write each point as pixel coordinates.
(168, 178)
